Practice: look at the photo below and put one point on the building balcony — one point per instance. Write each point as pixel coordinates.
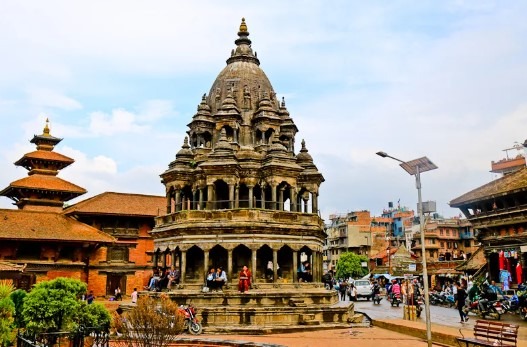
(246, 219)
(122, 232)
(502, 216)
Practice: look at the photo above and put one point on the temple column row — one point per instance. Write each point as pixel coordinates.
(316, 263)
(196, 200)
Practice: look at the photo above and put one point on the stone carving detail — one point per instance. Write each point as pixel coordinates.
(246, 97)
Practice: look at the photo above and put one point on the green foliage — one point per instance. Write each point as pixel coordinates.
(94, 315)
(53, 305)
(349, 264)
(7, 311)
(18, 299)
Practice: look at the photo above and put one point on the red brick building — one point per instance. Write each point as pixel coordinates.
(128, 218)
(102, 241)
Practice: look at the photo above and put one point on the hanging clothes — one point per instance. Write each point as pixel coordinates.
(501, 259)
(519, 273)
(505, 279)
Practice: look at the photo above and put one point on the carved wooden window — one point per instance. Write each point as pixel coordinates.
(117, 254)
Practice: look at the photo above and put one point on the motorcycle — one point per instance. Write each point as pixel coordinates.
(376, 298)
(191, 322)
(395, 299)
(436, 299)
(490, 308)
(472, 306)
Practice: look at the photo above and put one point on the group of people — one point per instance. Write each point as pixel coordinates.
(163, 279)
(347, 290)
(216, 279)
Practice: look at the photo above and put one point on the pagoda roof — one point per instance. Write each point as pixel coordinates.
(10, 267)
(475, 262)
(44, 182)
(508, 184)
(111, 203)
(44, 155)
(47, 226)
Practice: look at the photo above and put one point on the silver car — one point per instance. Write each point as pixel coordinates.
(363, 289)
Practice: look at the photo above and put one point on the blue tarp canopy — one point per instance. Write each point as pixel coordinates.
(387, 276)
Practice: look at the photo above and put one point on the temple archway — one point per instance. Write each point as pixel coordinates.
(285, 262)
(221, 190)
(194, 264)
(263, 255)
(218, 257)
(241, 255)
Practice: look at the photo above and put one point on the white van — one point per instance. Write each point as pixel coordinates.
(363, 289)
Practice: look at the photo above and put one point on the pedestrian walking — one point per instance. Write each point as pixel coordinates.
(134, 296)
(460, 297)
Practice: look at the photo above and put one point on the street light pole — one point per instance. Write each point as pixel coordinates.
(415, 167)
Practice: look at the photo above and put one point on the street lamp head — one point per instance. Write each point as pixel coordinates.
(382, 154)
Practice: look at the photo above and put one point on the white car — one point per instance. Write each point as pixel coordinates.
(363, 289)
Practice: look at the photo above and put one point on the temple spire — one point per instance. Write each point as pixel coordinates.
(243, 51)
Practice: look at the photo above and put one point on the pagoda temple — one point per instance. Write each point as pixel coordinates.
(37, 236)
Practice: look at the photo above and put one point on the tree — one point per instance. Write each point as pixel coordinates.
(350, 265)
(7, 312)
(152, 323)
(18, 299)
(53, 305)
(94, 315)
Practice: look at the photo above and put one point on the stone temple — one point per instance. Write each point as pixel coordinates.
(237, 194)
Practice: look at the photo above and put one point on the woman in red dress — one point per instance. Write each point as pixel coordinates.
(245, 280)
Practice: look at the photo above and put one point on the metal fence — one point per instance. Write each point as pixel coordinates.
(83, 337)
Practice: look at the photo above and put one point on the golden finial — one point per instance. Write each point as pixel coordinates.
(243, 26)
(46, 128)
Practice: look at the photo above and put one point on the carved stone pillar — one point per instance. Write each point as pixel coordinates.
(251, 196)
(231, 196)
(205, 263)
(273, 197)
(315, 272)
(200, 204)
(237, 196)
(292, 199)
(263, 196)
(281, 199)
(305, 205)
(183, 265)
(295, 266)
(229, 264)
(314, 203)
(178, 200)
(169, 202)
(275, 267)
(253, 264)
(210, 197)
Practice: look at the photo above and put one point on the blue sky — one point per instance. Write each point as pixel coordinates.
(120, 80)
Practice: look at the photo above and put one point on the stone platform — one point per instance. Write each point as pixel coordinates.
(289, 307)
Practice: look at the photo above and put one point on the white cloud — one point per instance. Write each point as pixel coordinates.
(51, 98)
(119, 121)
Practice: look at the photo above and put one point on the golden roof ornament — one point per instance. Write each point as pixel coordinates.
(243, 26)
(46, 128)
